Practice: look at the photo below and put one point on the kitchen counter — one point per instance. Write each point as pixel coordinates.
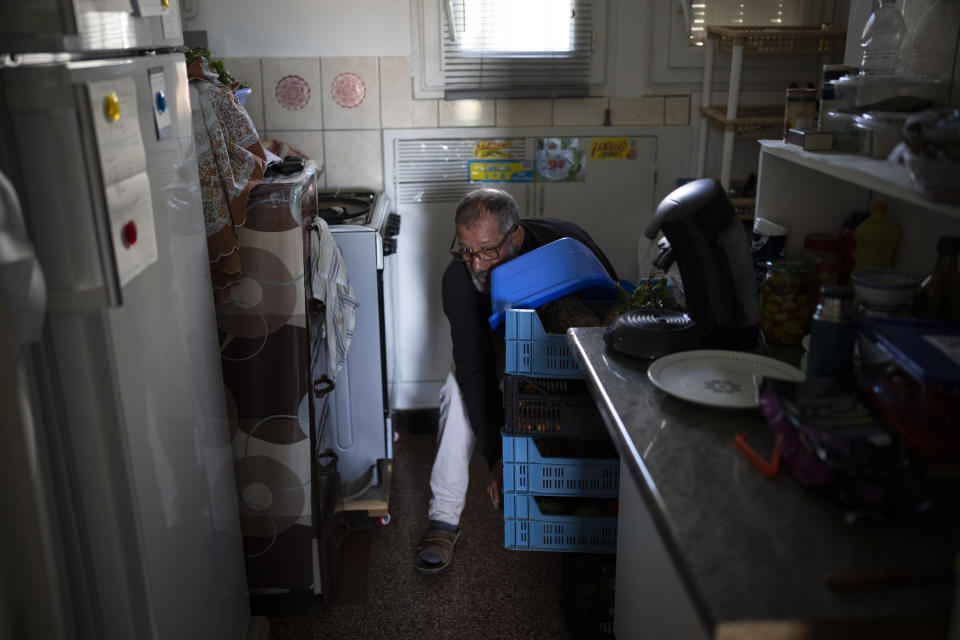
(750, 550)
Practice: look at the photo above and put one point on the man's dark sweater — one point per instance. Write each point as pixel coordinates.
(477, 350)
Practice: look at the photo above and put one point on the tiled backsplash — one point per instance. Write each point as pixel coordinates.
(333, 109)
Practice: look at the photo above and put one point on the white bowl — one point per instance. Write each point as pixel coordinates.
(885, 288)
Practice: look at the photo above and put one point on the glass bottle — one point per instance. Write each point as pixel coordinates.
(786, 302)
(939, 297)
(881, 40)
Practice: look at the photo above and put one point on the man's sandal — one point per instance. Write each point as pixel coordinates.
(438, 542)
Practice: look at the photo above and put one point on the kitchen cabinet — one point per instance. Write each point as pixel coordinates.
(813, 192)
(749, 122)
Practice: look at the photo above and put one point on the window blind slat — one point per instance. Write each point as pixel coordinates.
(490, 56)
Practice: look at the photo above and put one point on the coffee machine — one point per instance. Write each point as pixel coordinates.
(704, 236)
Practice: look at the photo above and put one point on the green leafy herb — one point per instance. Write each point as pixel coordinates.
(651, 294)
(199, 52)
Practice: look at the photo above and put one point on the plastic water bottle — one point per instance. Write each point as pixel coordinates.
(929, 48)
(882, 38)
(877, 240)
(912, 11)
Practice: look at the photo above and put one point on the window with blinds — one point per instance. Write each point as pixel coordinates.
(511, 49)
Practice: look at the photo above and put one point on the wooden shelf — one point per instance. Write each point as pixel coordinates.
(376, 499)
(751, 123)
(741, 41)
(877, 175)
(780, 41)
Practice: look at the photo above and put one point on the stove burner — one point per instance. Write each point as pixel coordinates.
(342, 210)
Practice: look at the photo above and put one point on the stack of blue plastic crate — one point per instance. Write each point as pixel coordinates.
(553, 503)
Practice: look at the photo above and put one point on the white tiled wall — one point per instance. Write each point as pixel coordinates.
(247, 71)
(643, 111)
(467, 113)
(677, 110)
(346, 141)
(354, 159)
(365, 115)
(579, 111)
(520, 113)
(277, 116)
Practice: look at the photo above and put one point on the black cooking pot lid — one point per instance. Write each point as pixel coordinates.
(342, 210)
(651, 333)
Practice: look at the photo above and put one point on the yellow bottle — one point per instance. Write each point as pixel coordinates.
(877, 240)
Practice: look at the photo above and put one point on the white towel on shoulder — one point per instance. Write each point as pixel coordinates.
(331, 285)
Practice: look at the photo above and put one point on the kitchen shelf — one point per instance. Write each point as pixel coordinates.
(780, 41)
(877, 175)
(753, 122)
(734, 120)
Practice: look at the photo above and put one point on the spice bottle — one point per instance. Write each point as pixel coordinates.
(832, 334)
(822, 253)
(877, 240)
(939, 296)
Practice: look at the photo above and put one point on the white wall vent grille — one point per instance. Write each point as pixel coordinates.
(438, 169)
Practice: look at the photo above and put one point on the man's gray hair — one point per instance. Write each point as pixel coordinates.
(495, 202)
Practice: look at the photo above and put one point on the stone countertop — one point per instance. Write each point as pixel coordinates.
(750, 547)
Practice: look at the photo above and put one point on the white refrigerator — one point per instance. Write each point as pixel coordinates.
(122, 517)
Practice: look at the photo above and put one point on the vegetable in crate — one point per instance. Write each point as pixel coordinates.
(571, 310)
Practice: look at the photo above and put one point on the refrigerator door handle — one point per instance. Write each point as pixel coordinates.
(22, 286)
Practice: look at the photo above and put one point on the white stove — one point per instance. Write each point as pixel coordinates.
(364, 229)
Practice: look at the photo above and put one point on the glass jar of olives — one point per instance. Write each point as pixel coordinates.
(786, 302)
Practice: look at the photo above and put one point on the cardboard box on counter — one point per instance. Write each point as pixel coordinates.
(811, 140)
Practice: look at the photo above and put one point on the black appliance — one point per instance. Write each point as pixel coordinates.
(709, 244)
(652, 334)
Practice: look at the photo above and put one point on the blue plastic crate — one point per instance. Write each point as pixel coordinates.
(558, 407)
(527, 471)
(545, 274)
(525, 528)
(534, 352)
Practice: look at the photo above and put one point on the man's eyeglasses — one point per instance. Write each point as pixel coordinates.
(487, 253)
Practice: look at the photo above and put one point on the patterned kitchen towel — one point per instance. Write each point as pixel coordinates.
(330, 284)
(231, 161)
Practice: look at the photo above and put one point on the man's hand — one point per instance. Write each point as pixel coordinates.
(493, 486)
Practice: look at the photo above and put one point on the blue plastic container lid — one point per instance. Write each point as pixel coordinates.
(242, 94)
(920, 347)
(545, 274)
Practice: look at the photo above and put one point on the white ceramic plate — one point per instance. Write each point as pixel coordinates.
(717, 378)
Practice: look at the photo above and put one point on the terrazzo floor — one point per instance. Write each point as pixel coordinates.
(487, 592)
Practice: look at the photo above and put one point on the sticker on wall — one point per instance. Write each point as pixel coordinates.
(348, 90)
(499, 149)
(560, 160)
(613, 149)
(501, 171)
(293, 92)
